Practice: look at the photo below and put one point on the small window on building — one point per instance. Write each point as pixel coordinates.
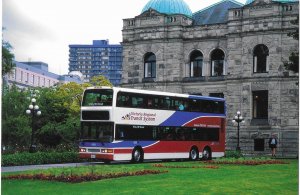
(219, 95)
(260, 104)
(200, 94)
(196, 64)
(150, 65)
(259, 144)
(260, 59)
(217, 63)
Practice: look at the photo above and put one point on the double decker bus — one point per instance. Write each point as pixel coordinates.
(130, 124)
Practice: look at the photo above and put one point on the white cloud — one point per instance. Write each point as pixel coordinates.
(41, 30)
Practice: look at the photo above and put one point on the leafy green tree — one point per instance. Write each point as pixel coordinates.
(7, 58)
(54, 113)
(16, 129)
(293, 63)
(100, 81)
(60, 119)
(71, 94)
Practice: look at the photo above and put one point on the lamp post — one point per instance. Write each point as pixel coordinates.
(238, 119)
(33, 111)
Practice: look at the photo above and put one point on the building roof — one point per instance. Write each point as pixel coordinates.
(36, 70)
(97, 44)
(216, 13)
(169, 7)
(281, 1)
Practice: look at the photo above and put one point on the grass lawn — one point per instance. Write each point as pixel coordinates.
(226, 179)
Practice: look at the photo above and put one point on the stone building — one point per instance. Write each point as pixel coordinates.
(227, 50)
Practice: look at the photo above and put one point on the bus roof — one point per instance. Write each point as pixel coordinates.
(117, 89)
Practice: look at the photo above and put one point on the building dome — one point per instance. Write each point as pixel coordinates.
(169, 7)
(281, 1)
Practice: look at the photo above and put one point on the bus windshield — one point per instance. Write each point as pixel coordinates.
(98, 97)
(102, 132)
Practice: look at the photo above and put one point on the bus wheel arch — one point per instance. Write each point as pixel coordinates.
(137, 155)
(206, 154)
(194, 153)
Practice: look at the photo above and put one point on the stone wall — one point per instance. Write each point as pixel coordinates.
(173, 42)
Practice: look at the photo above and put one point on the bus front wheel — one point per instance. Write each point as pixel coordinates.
(194, 154)
(137, 155)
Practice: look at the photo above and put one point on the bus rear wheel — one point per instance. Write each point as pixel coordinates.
(194, 154)
(206, 154)
(137, 155)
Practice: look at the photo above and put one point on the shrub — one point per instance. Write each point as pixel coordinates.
(233, 154)
(39, 158)
(66, 147)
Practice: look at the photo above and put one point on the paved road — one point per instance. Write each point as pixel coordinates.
(32, 167)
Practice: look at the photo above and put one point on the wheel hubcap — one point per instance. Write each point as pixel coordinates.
(205, 154)
(137, 155)
(193, 154)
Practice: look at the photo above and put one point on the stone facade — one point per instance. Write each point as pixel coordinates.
(172, 38)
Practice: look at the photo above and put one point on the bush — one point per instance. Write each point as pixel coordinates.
(39, 158)
(66, 147)
(233, 154)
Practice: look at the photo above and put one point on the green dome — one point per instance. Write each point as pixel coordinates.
(169, 7)
(281, 1)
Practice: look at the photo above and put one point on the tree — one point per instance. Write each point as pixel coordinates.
(293, 63)
(71, 94)
(7, 58)
(15, 124)
(61, 118)
(100, 81)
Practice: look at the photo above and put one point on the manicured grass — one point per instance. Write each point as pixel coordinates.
(227, 179)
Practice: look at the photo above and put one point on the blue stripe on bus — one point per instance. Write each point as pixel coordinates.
(121, 144)
(206, 98)
(180, 118)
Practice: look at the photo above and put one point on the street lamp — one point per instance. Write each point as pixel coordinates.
(238, 119)
(33, 111)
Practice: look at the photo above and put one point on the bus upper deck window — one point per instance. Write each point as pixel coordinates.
(98, 97)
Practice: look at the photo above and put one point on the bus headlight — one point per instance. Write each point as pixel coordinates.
(107, 150)
(82, 150)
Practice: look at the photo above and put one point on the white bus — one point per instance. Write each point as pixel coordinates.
(131, 124)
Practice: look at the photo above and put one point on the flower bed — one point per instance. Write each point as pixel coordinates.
(246, 162)
(82, 178)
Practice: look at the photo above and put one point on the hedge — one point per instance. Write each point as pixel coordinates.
(39, 158)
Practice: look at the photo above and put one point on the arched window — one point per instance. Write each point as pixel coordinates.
(217, 63)
(196, 64)
(150, 65)
(260, 59)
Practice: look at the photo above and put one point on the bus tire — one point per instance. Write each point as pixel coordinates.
(206, 154)
(137, 155)
(194, 154)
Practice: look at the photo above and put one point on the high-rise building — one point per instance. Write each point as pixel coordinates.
(100, 58)
(231, 50)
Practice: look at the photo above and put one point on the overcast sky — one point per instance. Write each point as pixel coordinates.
(41, 30)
